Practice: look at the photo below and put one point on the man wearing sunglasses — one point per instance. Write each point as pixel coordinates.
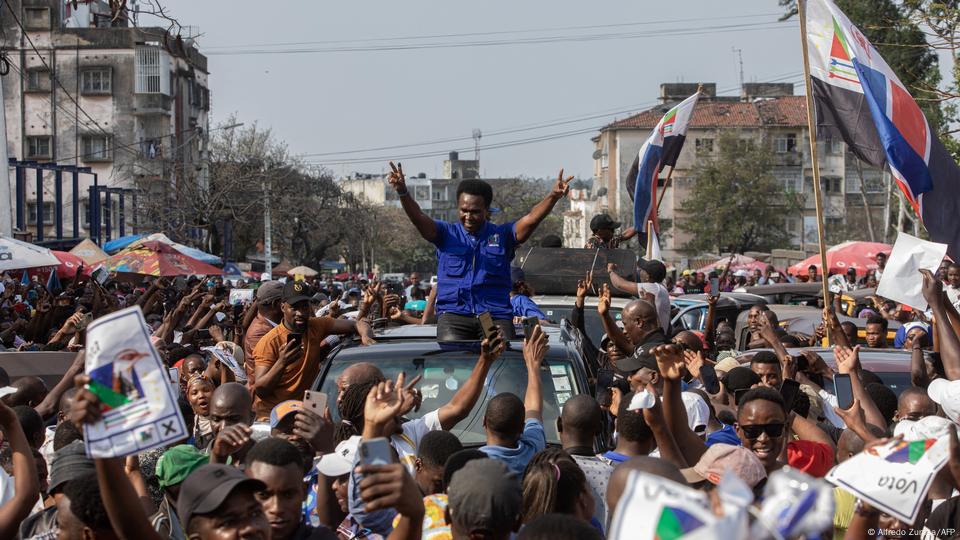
(778, 438)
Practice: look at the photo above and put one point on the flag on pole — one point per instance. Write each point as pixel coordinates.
(858, 98)
(53, 283)
(660, 150)
(653, 244)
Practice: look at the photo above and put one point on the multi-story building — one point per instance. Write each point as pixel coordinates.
(87, 89)
(437, 197)
(766, 112)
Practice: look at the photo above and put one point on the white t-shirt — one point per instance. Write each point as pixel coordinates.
(662, 301)
(407, 442)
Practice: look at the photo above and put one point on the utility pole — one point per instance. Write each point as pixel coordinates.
(267, 243)
(6, 201)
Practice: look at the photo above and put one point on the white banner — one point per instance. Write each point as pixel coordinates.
(901, 280)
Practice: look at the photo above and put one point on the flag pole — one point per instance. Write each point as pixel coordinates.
(649, 237)
(812, 129)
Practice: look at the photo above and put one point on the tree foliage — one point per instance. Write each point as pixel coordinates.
(736, 203)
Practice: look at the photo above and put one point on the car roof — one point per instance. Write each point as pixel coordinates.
(428, 332)
(876, 360)
(790, 311)
(570, 300)
(780, 288)
(727, 299)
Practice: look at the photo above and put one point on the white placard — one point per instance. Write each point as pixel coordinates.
(650, 506)
(140, 408)
(240, 296)
(228, 360)
(890, 478)
(901, 280)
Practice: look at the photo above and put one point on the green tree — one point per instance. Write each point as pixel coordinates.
(736, 203)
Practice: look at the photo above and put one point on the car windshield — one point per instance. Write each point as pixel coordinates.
(444, 371)
(592, 323)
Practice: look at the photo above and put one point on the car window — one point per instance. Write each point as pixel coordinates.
(896, 381)
(591, 319)
(445, 371)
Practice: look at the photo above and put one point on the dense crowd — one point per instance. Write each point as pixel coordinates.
(258, 462)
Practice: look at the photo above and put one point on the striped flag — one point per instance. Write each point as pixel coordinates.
(660, 150)
(858, 98)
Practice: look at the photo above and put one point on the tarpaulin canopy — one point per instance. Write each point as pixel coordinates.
(89, 252)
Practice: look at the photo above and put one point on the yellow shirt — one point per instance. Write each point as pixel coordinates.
(845, 503)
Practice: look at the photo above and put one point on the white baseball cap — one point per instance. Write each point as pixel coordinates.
(946, 394)
(340, 461)
(698, 413)
(928, 427)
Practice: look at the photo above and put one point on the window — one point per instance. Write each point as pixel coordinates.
(37, 18)
(791, 179)
(421, 193)
(47, 213)
(831, 184)
(96, 148)
(39, 147)
(704, 146)
(38, 80)
(605, 154)
(438, 195)
(96, 81)
(833, 145)
(152, 67)
(785, 144)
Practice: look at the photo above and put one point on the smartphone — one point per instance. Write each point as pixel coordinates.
(789, 389)
(486, 324)
(375, 452)
(709, 377)
(529, 323)
(843, 389)
(315, 402)
(292, 336)
(714, 287)
(85, 321)
(203, 333)
(174, 375)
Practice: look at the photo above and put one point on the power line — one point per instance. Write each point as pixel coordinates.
(491, 33)
(493, 146)
(525, 41)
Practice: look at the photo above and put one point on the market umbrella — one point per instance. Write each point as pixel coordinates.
(305, 271)
(194, 253)
(113, 246)
(739, 262)
(89, 252)
(861, 256)
(155, 258)
(69, 263)
(15, 255)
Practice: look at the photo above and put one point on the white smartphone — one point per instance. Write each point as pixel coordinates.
(375, 452)
(315, 402)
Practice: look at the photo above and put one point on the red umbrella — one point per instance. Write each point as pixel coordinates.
(739, 262)
(861, 256)
(69, 263)
(155, 258)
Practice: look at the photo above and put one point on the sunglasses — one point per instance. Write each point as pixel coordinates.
(772, 430)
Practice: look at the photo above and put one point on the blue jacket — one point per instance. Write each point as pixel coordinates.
(473, 271)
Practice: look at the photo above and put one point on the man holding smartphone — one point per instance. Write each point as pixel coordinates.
(473, 270)
(287, 359)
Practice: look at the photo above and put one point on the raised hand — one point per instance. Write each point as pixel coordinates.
(932, 288)
(230, 440)
(397, 179)
(603, 304)
(848, 360)
(562, 187)
(384, 403)
(694, 361)
(535, 348)
(492, 347)
(583, 287)
(670, 361)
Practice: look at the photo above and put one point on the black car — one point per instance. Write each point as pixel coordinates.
(414, 350)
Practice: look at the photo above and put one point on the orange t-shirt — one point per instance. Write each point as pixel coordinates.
(298, 376)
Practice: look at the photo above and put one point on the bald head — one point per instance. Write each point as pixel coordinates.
(580, 420)
(230, 404)
(689, 339)
(361, 373)
(644, 464)
(640, 309)
(914, 404)
(30, 392)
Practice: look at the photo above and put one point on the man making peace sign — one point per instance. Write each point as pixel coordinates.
(473, 270)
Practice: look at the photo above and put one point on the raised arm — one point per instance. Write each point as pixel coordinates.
(25, 486)
(528, 223)
(620, 283)
(463, 401)
(534, 350)
(670, 362)
(361, 328)
(609, 326)
(848, 362)
(425, 226)
(949, 342)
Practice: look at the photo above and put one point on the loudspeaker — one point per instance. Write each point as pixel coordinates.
(557, 270)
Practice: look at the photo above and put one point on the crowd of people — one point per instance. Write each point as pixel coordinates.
(257, 462)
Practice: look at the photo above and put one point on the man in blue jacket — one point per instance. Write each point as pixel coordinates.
(473, 270)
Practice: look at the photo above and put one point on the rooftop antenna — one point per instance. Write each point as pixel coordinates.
(476, 143)
(740, 56)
